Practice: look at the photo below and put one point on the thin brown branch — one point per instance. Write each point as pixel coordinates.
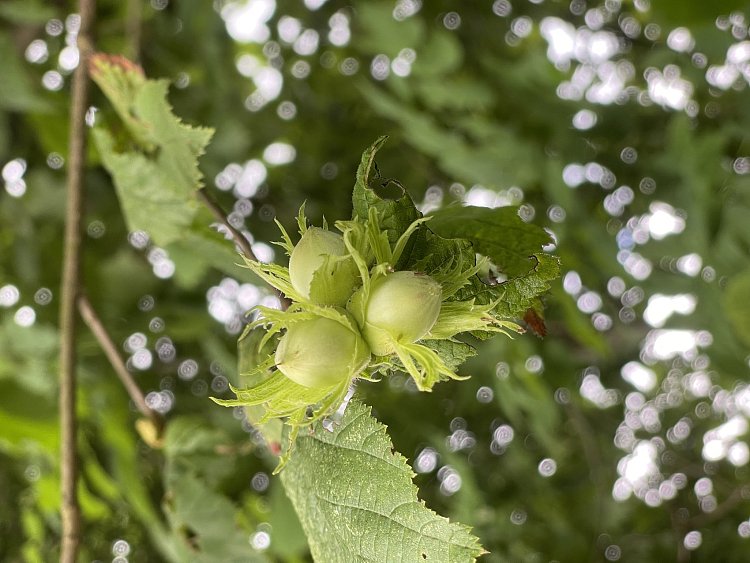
(238, 237)
(221, 217)
(69, 289)
(92, 320)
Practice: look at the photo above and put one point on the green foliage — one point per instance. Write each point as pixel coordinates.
(396, 210)
(477, 113)
(16, 91)
(211, 525)
(155, 169)
(737, 305)
(355, 497)
(23, 12)
(393, 310)
(159, 179)
(499, 234)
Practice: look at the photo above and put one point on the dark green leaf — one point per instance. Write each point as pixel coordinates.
(393, 203)
(498, 233)
(453, 353)
(520, 293)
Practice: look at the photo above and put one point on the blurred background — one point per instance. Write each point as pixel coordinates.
(618, 125)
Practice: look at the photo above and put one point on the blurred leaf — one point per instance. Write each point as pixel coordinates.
(125, 466)
(26, 12)
(288, 536)
(200, 249)
(155, 184)
(26, 416)
(191, 444)
(196, 508)
(486, 153)
(441, 54)
(208, 521)
(354, 495)
(737, 305)
(462, 94)
(677, 13)
(26, 354)
(16, 90)
(380, 30)
(121, 279)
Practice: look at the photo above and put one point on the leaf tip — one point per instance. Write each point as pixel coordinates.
(100, 61)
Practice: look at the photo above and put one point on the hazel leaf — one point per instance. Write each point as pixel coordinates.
(393, 204)
(155, 180)
(497, 233)
(357, 501)
(520, 293)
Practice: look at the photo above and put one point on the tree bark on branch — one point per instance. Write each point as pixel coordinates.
(70, 288)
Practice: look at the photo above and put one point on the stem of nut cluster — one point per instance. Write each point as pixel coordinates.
(88, 313)
(69, 290)
(238, 237)
(221, 217)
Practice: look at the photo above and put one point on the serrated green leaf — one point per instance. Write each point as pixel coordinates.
(432, 252)
(121, 80)
(498, 233)
(156, 183)
(520, 293)
(396, 213)
(357, 502)
(151, 200)
(452, 352)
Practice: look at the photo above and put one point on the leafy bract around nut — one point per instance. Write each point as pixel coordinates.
(309, 374)
(320, 268)
(410, 295)
(321, 352)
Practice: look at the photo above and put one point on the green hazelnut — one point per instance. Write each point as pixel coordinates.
(321, 270)
(321, 353)
(402, 307)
